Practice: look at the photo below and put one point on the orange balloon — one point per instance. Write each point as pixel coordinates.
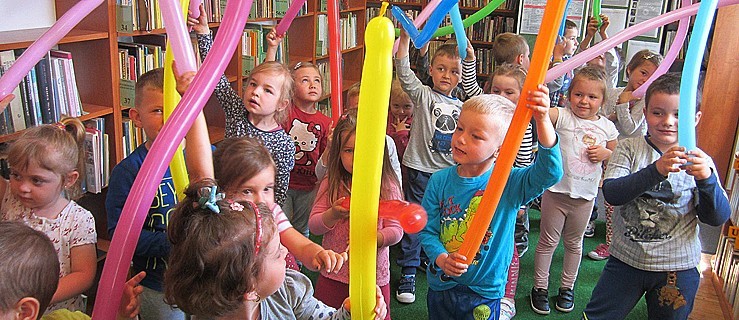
(538, 69)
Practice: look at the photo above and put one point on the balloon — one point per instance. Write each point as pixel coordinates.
(194, 8)
(626, 34)
(420, 38)
(412, 216)
(474, 18)
(289, 16)
(691, 71)
(564, 18)
(13, 76)
(420, 19)
(334, 58)
(178, 38)
(491, 197)
(677, 44)
(596, 12)
(459, 31)
(110, 288)
(374, 96)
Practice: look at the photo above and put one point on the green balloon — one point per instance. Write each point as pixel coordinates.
(474, 18)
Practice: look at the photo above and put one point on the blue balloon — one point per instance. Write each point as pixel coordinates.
(424, 36)
(691, 71)
(459, 31)
(404, 21)
(564, 18)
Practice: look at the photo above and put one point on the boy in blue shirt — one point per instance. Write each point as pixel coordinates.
(458, 290)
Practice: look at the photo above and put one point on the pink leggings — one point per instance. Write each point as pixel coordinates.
(333, 293)
(510, 286)
(566, 218)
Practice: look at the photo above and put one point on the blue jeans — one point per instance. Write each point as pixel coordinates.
(461, 302)
(621, 286)
(154, 307)
(410, 245)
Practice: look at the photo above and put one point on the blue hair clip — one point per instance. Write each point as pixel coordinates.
(208, 198)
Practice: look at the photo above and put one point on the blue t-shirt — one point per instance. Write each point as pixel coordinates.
(153, 247)
(451, 201)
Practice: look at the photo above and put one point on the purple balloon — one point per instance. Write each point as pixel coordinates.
(178, 37)
(134, 212)
(42, 45)
(628, 33)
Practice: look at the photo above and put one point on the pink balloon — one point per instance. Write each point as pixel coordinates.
(178, 37)
(334, 58)
(626, 34)
(420, 19)
(677, 44)
(290, 15)
(41, 46)
(194, 7)
(144, 187)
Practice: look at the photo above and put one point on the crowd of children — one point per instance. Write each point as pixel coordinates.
(234, 245)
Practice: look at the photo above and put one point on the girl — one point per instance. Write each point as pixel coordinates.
(627, 113)
(401, 115)
(227, 263)
(587, 140)
(330, 219)
(45, 167)
(267, 94)
(309, 130)
(246, 172)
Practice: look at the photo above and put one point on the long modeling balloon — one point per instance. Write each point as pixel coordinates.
(289, 16)
(491, 197)
(677, 44)
(134, 212)
(334, 59)
(178, 40)
(13, 76)
(564, 18)
(194, 8)
(458, 26)
(596, 11)
(374, 96)
(420, 19)
(420, 38)
(626, 34)
(474, 18)
(691, 72)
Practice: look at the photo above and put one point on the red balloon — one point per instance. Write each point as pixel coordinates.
(411, 216)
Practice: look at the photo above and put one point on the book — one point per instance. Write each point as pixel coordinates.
(16, 107)
(45, 89)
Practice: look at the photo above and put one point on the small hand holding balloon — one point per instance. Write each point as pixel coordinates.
(198, 21)
(380, 309)
(697, 164)
(452, 264)
(411, 216)
(329, 260)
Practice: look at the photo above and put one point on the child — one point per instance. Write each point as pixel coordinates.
(45, 166)
(563, 50)
(510, 48)
(608, 60)
(352, 96)
(261, 111)
(29, 278)
(458, 290)
(399, 120)
(227, 263)
(429, 145)
(246, 172)
(587, 140)
(657, 185)
(330, 219)
(627, 113)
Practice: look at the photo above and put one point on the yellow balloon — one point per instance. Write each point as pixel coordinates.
(171, 98)
(374, 97)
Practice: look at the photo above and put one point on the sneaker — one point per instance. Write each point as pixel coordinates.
(522, 250)
(600, 253)
(540, 300)
(407, 289)
(565, 300)
(590, 229)
(507, 309)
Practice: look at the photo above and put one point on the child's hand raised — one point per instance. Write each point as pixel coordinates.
(183, 80)
(604, 26)
(538, 101)
(671, 160)
(199, 24)
(380, 306)
(697, 165)
(470, 51)
(451, 265)
(130, 303)
(592, 27)
(329, 260)
(559, 49)
(274, 39)
(598, 153)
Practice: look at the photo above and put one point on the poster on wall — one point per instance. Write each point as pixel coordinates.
(615, 3)
(616, 19)
(643, 10)
(532, 11)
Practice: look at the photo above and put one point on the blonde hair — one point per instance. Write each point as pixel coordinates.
(590, 73)
(643, 56)
(495, 107)
(507, 47)
(286, 93)
(54, 147)
(398, 94)
(353, 90)
(151, 79)
(448, 50)
(515, 71)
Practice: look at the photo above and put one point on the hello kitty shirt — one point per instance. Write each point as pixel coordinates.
(310, 135)
(75, 226)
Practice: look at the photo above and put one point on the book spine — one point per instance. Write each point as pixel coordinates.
(46, 98)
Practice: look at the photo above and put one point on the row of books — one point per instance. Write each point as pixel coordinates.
(489, 27)
(132, 135)
(46, 93)
(506, 5)
(272, 9)
(134, 60)
(254, 47)
(348, 32)
(146, 15)
(375, 11)
(97, 156)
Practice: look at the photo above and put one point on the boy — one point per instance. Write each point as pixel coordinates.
(29, 278)
(662, 190)
(511, 48)
(563, 50)
(458, 290)
(153, 247)
(429, 146)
